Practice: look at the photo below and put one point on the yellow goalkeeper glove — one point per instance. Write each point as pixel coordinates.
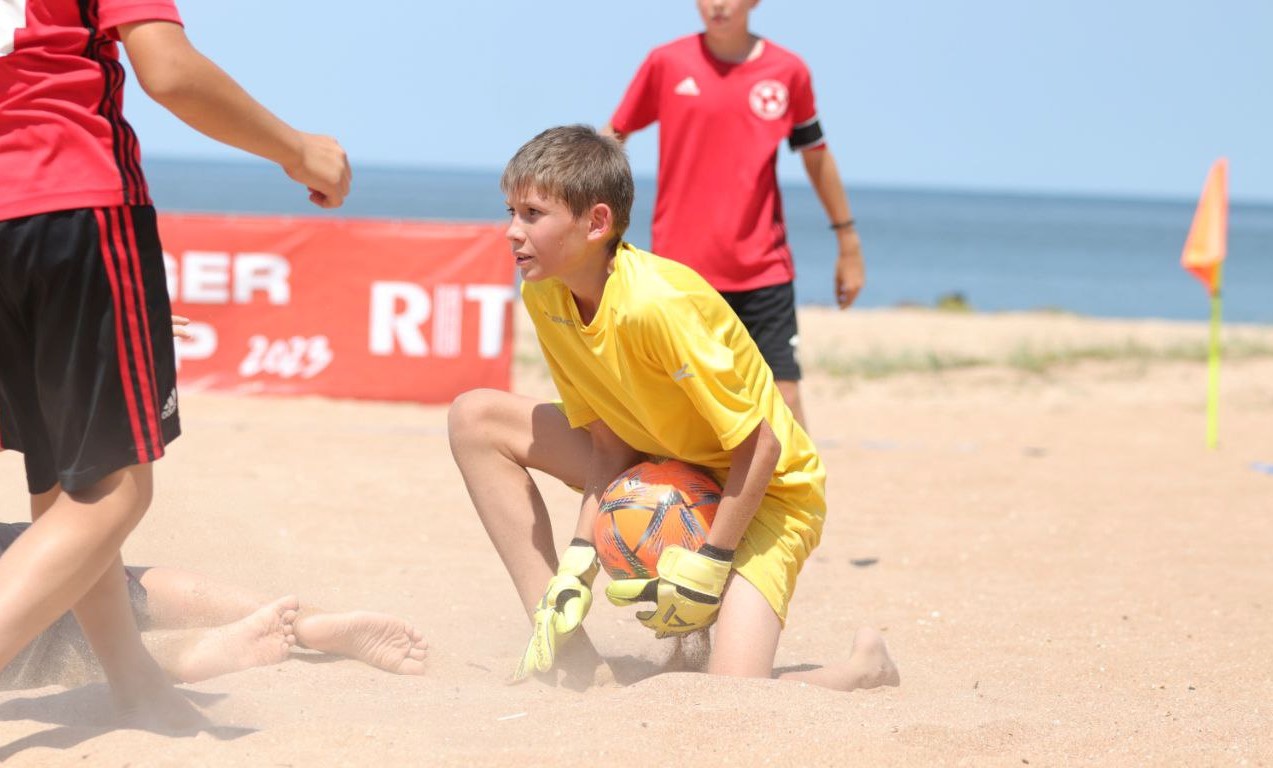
(561, 610)
(687, 592)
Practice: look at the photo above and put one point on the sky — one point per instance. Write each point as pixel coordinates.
(1105, 97)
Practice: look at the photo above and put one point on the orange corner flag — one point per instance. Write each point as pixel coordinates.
(1205, 248)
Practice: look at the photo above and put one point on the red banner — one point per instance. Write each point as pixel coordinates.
(382, 310)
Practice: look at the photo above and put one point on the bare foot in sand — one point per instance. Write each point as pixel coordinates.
(378, 639)
(262, 638)
(870, 660)
(869, 666)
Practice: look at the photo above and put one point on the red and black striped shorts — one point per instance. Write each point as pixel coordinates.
(88, 381)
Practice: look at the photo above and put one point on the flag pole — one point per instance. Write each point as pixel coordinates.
(1213, 364)
(1203, 256)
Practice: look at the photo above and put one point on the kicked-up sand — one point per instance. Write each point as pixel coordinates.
(1021, 504)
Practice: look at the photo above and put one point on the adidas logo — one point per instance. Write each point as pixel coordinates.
(686, 87)
(170, 405)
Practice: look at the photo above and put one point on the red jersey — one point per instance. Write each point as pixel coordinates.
(720, 124)
(64, 142)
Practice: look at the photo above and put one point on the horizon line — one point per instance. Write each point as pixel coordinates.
(985, 191)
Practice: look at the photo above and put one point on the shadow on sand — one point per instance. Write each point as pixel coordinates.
(80, 714)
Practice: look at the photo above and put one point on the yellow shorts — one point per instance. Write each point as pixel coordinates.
(775, 546)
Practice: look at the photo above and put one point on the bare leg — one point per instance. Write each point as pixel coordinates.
(747, 631)
(790, 391)
(495, 436)
(383, 641)
(178, 599)
(262, 638)
(747, 638)
(69, 558)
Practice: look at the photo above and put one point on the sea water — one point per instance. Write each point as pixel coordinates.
(997, 252)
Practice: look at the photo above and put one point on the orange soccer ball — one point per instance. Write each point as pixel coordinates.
(651, 506)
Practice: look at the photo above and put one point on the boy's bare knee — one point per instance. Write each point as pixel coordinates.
(466, 409)
(468, 413)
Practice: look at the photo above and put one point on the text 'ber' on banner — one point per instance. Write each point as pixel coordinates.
(384, 310)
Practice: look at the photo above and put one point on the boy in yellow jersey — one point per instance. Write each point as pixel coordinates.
(649, 361)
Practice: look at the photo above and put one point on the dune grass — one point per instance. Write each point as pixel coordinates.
(1025, 357)
(879, 363)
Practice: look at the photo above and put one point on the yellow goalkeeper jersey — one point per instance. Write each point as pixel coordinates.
(670, 368)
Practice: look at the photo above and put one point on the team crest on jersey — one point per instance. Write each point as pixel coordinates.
(768, 99)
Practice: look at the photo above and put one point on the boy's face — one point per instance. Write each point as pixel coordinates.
(725, 15)
(547, 239)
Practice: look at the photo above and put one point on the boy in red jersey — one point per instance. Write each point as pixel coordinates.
(649, 361)
(724, 100)
(87, 381)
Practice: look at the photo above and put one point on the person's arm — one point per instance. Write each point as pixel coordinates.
(751, 468)
(610, 456)
(608, 130)
(640, 104)
(199, 93)
(850, 272)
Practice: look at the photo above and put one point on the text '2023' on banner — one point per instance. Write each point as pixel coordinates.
(382, 310)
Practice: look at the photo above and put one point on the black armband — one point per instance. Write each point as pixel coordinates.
(805, 136)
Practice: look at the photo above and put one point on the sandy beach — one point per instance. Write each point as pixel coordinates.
(1022, 504)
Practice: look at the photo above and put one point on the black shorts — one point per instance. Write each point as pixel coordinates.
(769, 314)
(88, 381)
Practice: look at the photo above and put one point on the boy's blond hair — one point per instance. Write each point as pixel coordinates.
(578, 166)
